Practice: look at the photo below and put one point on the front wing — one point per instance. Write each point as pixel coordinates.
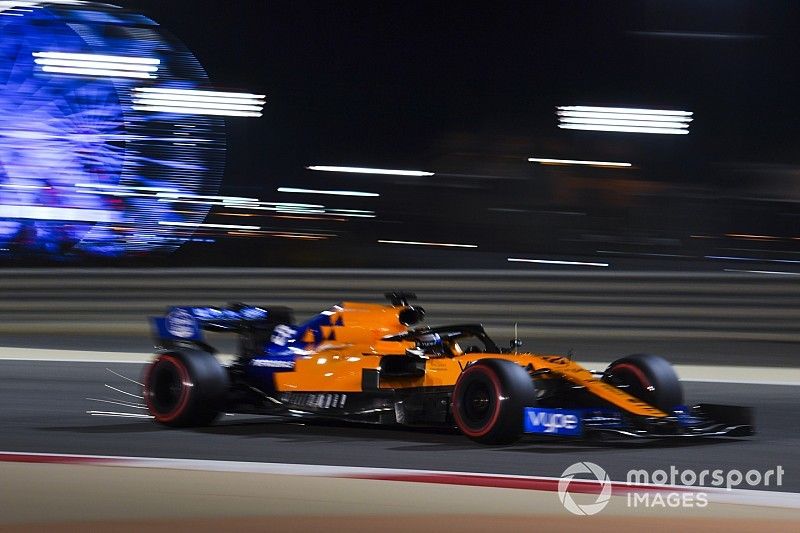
(702, 420)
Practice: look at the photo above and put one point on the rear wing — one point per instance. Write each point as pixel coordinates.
(185, 325)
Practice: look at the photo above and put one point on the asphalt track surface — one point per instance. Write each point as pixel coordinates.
(43, 408)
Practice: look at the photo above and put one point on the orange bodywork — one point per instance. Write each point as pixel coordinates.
(355, 341)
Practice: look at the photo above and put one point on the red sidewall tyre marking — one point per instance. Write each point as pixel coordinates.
(184, 398)
(636, 371)
(495, 415)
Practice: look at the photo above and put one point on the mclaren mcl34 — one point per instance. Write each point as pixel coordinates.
(373, 363)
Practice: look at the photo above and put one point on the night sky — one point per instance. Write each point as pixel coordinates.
(382, 83)
(471, 88)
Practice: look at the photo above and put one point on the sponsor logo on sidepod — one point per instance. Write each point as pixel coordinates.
(272, 363)
(552, 421)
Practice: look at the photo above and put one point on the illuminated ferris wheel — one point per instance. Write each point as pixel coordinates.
(109, 132)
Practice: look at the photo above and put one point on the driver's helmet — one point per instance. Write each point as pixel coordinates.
(431, 343)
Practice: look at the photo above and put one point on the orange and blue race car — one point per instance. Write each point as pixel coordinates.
(374, 363)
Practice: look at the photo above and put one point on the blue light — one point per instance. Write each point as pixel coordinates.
(80, 169)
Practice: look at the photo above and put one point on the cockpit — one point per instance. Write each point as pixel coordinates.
(449, 341)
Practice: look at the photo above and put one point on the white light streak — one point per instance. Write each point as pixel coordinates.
(616, 122)
(299, 211)
(97, 65)
(320, 191)
(198, 105)
(98, 57)
(547, 161)
(420, 243)
(353, 215)
(624, 119)
(357, 213)
(188, 101)
(124, 187)
(625, 116)
(212, 226)
(12, 4)
(226, 199)
(776, 272)
(57, 213)
(198, 202)
(194, 98)
(193, 92)
(631, 110)
(627, 129)
(122, 391)
(114, 402)
(293, 204)
(196, 111)
(550, 262)
(96, 72)
(360, 170)
(117, 193)
(15, 186)
(114, 414)
(734, 258)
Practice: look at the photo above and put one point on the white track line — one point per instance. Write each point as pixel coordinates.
(744, 375)
(71, 356)
(744, 382)
(762, 498)
(79, 360)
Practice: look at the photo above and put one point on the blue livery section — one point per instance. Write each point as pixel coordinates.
(187, 323)
(289, 342)
(562, 422)
(180, 323)
(285, 344)
(298, 340)
(685, 417)
(279, 354)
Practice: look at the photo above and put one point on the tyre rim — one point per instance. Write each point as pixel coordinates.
(167, 389)
(478, 404)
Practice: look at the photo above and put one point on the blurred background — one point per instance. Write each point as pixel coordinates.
(469, 111)
(595, 178)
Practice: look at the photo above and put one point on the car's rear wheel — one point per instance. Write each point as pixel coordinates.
(648, 377)
(185, 388)
(489, 400)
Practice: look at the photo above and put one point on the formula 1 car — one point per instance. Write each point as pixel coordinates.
(368, 363)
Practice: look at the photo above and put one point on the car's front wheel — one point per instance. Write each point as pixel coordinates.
(489, 401)
(648, 377)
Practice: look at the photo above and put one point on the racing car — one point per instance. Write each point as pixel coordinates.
(374, 363)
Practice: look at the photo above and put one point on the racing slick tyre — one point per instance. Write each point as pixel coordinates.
(648, 377)
(184, 389)
(489, 400)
